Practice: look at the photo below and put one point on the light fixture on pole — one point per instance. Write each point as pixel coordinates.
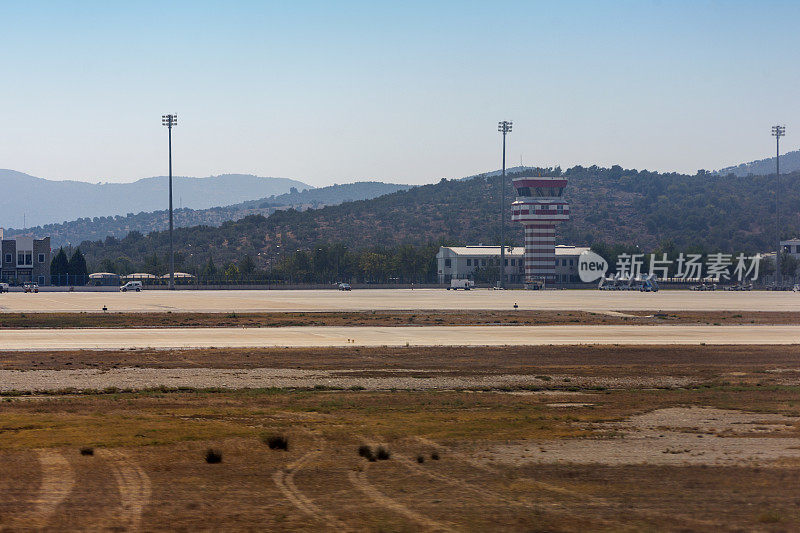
(169, 121)
(778, 132)
(503, 127)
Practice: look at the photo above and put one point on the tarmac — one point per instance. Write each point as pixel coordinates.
(222, 301)
(163, 338)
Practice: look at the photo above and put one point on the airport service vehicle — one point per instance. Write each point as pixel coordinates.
(30, 287)
(131, 286)
(3, 287)
(465, 284)
(344, 287)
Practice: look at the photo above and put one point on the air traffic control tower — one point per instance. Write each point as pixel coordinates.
(539, 207)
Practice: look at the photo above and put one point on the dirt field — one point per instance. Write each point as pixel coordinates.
(390, 318)
(588, 442)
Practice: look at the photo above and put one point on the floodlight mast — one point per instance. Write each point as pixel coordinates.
(169, 121)
(503, 127)
(778, 131)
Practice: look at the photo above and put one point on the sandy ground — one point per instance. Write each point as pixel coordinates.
(206, 378)
(398, 299)
(60, 339)
(673, 436)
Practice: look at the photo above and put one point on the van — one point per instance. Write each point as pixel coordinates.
(131, 286)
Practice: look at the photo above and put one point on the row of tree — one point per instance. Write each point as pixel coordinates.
(70, 270)
(326, 263)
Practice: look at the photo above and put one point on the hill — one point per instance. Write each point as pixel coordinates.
(82, 229)
(790, 162)
(611, 205)
(43, 201)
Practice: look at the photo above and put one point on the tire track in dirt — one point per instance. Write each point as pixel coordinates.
(284, 480)
(550, 487)
(133, 485)
(58, 478)
(360, 481)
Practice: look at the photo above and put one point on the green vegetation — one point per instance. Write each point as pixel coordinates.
(365, 239)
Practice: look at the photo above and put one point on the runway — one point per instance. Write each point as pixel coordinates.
(396, 299)
(71, 339)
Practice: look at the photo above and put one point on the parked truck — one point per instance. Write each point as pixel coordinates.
(465, 284)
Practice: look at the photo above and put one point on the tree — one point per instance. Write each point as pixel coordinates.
(59, 266)
(76, 267)
(209, 270)
(232, 272)
(247, 267)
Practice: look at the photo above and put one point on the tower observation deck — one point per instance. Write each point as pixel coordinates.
(539, 207)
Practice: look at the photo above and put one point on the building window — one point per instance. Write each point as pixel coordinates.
(571, 262)
(469, 262)
(41, 278)
(506, 262)
(447, 263)
(8, 258)
(483, 262)
(41, 258)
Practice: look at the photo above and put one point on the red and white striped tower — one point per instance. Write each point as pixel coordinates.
(539, 208)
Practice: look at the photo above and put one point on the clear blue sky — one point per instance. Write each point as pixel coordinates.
(397, 91)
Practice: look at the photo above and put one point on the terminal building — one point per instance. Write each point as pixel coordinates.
(24, 259)
(460, 262)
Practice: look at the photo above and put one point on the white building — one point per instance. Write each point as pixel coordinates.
(460, 262)
(791, 247)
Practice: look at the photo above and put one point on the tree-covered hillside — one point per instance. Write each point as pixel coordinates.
(98, 228)
(610, 205)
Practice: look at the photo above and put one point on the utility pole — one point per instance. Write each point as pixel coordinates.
(169, 121)
(778, 132)
(503, 127)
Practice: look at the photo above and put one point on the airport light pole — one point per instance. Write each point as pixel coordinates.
(169, 121)
(778, 132)
(503, 127)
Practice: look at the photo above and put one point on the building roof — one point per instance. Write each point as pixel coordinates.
(796, 240)
(98, 275)
(514, 251)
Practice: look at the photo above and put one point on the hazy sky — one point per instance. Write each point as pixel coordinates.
(396, 91)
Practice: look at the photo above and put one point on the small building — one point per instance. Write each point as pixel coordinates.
(460, 262)
(791, 247)
(25, 259)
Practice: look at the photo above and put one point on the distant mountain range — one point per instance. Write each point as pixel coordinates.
(40, 201)
(98, 228)
(790, 162)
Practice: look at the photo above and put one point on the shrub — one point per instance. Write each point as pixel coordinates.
(366, 452)
(213, 456)
(276, 442)
(383, 454)
(435, 456)
(87, 450)
(420, 459)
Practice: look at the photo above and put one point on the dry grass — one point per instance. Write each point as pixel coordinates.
(386, 318)
(149, 466)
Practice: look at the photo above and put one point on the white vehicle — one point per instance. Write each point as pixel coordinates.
(131, 286)
(465, 284)
(344, 287)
